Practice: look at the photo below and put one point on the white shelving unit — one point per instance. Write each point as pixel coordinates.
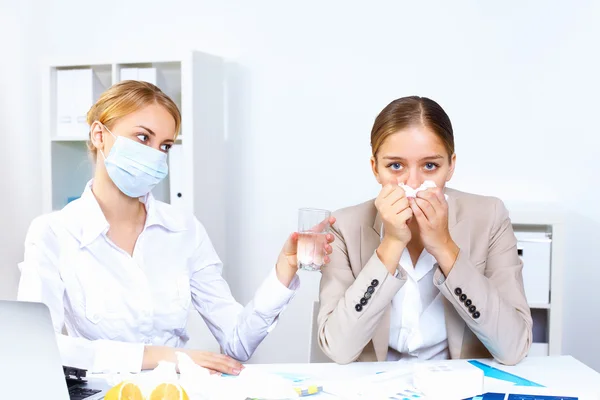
(541, 237)
(196, 82)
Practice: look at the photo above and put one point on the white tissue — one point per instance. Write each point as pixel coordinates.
(410, 192)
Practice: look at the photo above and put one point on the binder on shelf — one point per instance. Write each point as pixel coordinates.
(150, 75)
(76, 91)
(64, 96)
(154, 76)
(129, 74)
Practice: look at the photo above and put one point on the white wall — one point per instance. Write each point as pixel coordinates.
(519, 80)
(19, 146)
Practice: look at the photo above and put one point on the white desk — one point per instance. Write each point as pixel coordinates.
(563, 373)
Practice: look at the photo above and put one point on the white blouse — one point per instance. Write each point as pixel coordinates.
(107, 305)
(418, 322)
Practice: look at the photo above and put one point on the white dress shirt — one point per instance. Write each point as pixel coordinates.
(417, 322)
(111, 304)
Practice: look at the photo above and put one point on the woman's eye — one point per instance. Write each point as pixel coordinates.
(430, 166)
(395, 166)
(166, 147)
(142, 137)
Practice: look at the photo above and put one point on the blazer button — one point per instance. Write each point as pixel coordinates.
(363, 301)
(367, 295)
(370, 289)
(476, 314)
(463, 297)
(472, 309)
(468, 302)
(358, 307)
(374, 282)
(458, 291)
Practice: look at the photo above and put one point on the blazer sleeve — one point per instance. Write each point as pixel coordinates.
(345, 324)
(498, 313)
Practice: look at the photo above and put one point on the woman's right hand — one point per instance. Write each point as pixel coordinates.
(394, 209)
(395, 212)
(216, 362)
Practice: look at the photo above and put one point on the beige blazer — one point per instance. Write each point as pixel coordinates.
(488, 272)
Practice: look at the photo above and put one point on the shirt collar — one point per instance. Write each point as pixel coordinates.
(162, 215)
(425, 263)
(94, 222)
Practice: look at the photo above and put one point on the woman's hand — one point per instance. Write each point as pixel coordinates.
(214, 362)
(287, 263)
(431, 212)
(395, 211)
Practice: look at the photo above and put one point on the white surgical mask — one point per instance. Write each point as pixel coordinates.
(134, 167)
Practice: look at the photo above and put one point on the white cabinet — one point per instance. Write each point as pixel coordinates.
(535, 249)
(540, 242)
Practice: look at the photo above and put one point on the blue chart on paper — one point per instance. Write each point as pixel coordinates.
(406, 395)
(496, 373)
(500, 396)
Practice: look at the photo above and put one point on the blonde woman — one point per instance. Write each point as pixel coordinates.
(120, 270)
(431, 276)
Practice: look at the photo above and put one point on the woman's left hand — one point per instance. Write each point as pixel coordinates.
(430, 209)
(287, 263)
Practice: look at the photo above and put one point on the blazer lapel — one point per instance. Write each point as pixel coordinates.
(455, 326)
(369, 239)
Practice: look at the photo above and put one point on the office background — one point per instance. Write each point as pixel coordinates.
(519, 80)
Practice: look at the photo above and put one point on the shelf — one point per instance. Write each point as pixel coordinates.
(69, 139)
(102, 71)
(539, 306)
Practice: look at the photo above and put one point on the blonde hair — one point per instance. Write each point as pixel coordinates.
(124, 98)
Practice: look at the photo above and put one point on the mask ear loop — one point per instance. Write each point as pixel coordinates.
(104, 127)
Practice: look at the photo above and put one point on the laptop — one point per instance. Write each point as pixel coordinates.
(30, 363)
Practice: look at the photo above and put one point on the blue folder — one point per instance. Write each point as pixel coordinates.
(500, 396)
(496, 373)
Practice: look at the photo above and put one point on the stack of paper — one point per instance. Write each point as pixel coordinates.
(448, 381)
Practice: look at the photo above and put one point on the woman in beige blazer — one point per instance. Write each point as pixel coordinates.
(434, 276)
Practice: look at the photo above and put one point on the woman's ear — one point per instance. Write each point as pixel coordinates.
(97, 135)
(452, 166)
(375, 170)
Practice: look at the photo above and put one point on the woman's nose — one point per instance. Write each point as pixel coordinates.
(414, 179)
